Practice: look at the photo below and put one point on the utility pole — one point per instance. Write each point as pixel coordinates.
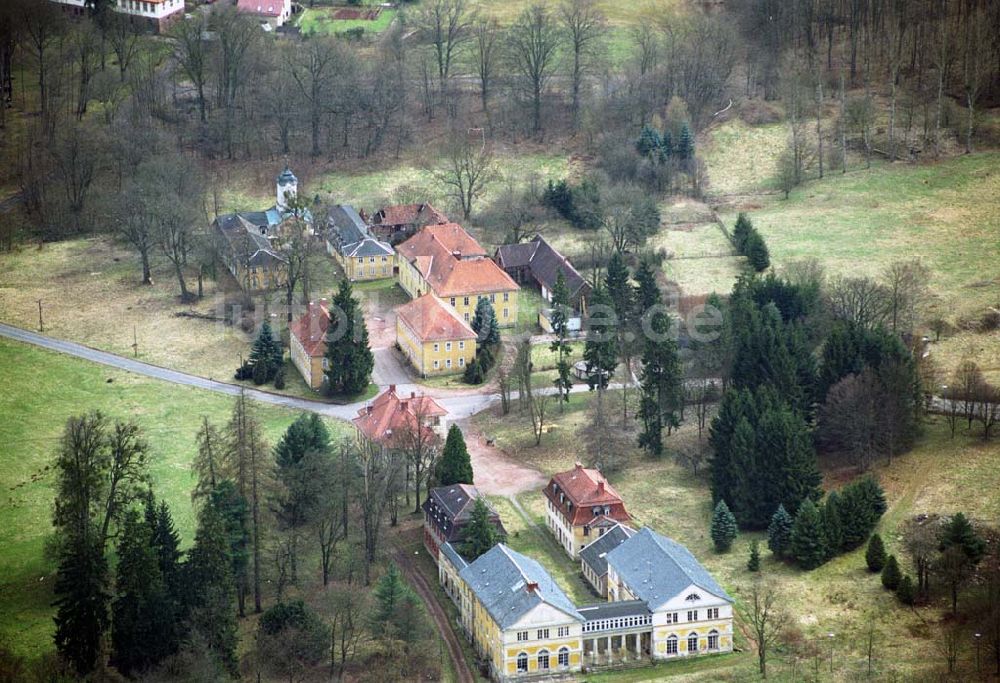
(41, 323)
(135, 342)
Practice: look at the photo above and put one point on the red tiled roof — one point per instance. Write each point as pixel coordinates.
(266, 8)
(430, 319)
(311, 328)
(452, 262)
(409, 214)
(585, 488)
(389, 416)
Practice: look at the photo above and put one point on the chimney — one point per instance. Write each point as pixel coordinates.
(532, 587)
(392, 388)
(579, 465)
(402, 405)
(600, 488)
(368, 409)
(413, 394)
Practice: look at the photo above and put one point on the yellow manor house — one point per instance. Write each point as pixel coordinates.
(661, 604)
(445, 260)
(433, 337)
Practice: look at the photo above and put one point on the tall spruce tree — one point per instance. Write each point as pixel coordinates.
(233, 511)
(684, 148)
(647, 292)
(349, 359)
(390, 597)
(480, 533)
(891, 574)
(757, 252)
(622, 296)
(779, 532)
(82, 600)
(741, 232)
(142, 625)
(661, 386)
(753, 563)
(211, 599)
(832, 525)
(723, 527)
(454, 466)
(560, 327)
(808, 543)
(649, 141)
(484, 324)
(600, 352)
(266, 357)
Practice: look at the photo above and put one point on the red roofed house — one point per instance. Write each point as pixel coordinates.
(272, 12)
(393, 224)
(307, 338)
(581, 506)
(433, 337)
(448, 261)
(391, 421)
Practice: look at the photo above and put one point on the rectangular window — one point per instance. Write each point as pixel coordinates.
(506, 296)
(361, 259)
(563, 631)
(437, 347)
(461, 362)
(466, 301)
(564, 657)
(447, 363)
(447, 346)
(543, 633)
(493, 298)
(522, 636)
(466, 317)
(672, 646)
(437, 364)
(452, 301)
(713, 641)
(461, 346)
(384, 259)
(693, 615)
(371, 259)
(671, 617)
(713, 613)
(506, 313)
(692, 643)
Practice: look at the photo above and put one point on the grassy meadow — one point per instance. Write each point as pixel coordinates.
(941, 474)
(48, 388)
(320, 21)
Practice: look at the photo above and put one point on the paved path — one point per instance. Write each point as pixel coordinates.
(459, 406)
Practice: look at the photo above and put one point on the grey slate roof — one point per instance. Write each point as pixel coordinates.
(656, 568)
(500, 578)
(595, 554)
(610, 610)
(245, 241)
(449, 551)
(544, 262)
(350, 236)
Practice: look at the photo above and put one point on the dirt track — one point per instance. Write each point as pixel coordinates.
(495, 472)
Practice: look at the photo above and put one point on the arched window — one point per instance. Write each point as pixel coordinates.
(543, 660)
(672, 645)
(522, 663)
(713, 640)
(692, 642)
(564, 657)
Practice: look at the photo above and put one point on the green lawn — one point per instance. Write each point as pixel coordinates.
(35, 412)
(741, 158)
(856, 224)
(319, 20)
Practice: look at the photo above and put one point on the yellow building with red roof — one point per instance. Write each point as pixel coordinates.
(433, 337)
(448, 262)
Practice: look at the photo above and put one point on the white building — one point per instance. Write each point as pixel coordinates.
(155, 14)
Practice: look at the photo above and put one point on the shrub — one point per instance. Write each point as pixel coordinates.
(875, 555)
(279, 378)
(890, 573)
(753, 564)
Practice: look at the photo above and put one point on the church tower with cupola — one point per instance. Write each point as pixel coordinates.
(287, 187)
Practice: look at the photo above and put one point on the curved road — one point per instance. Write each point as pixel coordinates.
(459, 406)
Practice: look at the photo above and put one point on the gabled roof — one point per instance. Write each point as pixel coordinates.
(389, 416)
(451, 509)
(409, 214)
(310, 329)
(545, 263)
(578, 491)
(452, 262)
(245, 241)
(345, 221)
(368, 247)
(657, 569)
(595, 554)
(431, 319)
(509, 585)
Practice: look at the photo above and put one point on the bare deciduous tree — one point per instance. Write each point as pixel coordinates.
(533, 42)
(466, 170)
(764, 619)
(584, 25)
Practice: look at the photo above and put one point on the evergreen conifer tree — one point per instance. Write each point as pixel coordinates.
(600, 351)
(890, 573)
(480, 533)
(390, 596)
(779, 532)
(647, 292)
(808, 542)
(757, 253)
(661, 386)
(666, 144)
(266, 356)
(831, 524)
(741, 232)
(349, 358)
(484, 323)
(560, 327)
(648, 142)
(454, 466)
(211, 600)
(723, 527)
(142, 615)
(473, 372)
(958, 533)
(685, 143)
(82, 600)
(906, 591)
(753, 564)
(875, 554)
(234, 512)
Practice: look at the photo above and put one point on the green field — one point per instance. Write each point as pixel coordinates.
(741, 158)
(856, 224)
(940, 474)
(319, 20)
(44, 389)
